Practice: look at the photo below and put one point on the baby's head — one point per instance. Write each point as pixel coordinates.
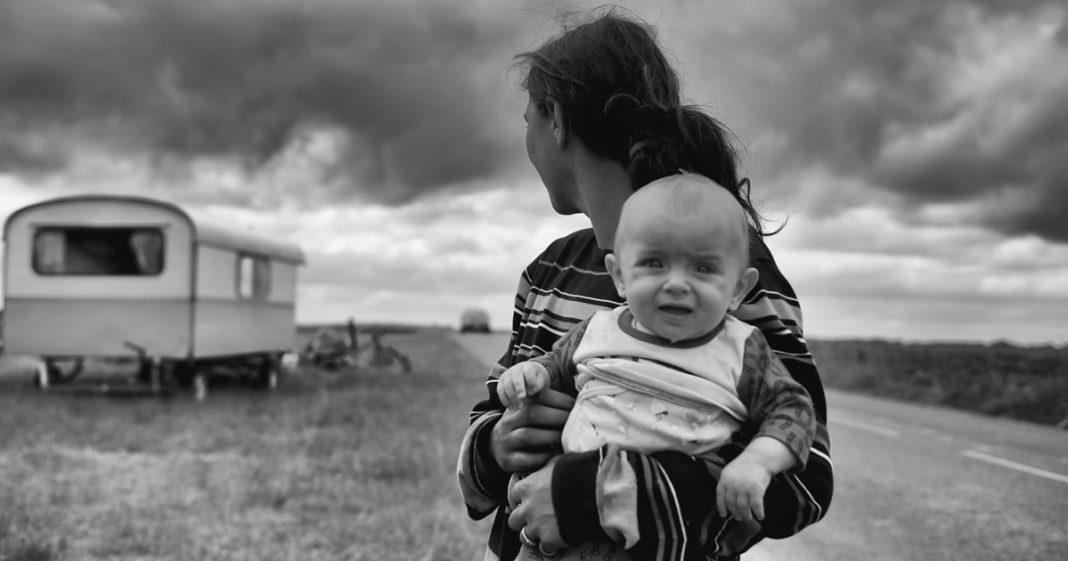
(681, 256)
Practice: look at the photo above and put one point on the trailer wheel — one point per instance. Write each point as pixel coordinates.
(49, 372)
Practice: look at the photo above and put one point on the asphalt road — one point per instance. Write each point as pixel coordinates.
(924, 483)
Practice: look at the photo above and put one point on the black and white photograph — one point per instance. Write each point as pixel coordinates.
(533, 280)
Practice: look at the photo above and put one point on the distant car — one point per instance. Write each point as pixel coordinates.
(474, 321)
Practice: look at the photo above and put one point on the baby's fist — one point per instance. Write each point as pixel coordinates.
(520, 382)
(741, 488)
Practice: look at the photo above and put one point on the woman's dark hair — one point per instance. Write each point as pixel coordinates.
(620, 95)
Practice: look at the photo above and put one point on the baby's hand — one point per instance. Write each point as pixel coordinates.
(521, 381)
(741, 489)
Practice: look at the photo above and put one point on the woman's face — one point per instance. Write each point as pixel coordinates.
(548, 158)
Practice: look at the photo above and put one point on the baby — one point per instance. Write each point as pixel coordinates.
(670, 369)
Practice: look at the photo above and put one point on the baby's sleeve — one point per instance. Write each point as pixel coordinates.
(780, 407)
(560, 361)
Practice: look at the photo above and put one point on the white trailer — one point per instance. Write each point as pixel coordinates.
(112, 276)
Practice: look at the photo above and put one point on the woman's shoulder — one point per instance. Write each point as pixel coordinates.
(574, 265)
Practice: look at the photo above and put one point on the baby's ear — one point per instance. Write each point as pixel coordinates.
(612, 264)
(746, 281)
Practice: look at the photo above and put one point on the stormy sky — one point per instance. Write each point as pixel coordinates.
(917, 150)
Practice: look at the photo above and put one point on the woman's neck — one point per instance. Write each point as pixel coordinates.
(604, 186)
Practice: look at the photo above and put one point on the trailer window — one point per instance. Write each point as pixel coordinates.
(253, 277)
(98, 251)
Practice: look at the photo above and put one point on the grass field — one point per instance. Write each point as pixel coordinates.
(333, 465)
(1023, 383)
(353, 465)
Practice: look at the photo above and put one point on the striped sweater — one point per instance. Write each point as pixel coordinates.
(566, 284)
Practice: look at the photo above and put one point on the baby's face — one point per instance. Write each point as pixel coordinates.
(680, 274)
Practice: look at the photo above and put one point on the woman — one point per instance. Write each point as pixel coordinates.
(604, 118)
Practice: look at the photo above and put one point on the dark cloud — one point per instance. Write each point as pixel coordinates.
(418, 95)
(880, 91)
(405, 83)
(28, 159)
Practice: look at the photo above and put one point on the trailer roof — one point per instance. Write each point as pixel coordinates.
(204, 232)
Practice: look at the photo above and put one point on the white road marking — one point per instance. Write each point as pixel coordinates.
(858, 424)
(1014, 465)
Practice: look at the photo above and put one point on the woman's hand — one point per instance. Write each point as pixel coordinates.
(527, 437)
(531, 500)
